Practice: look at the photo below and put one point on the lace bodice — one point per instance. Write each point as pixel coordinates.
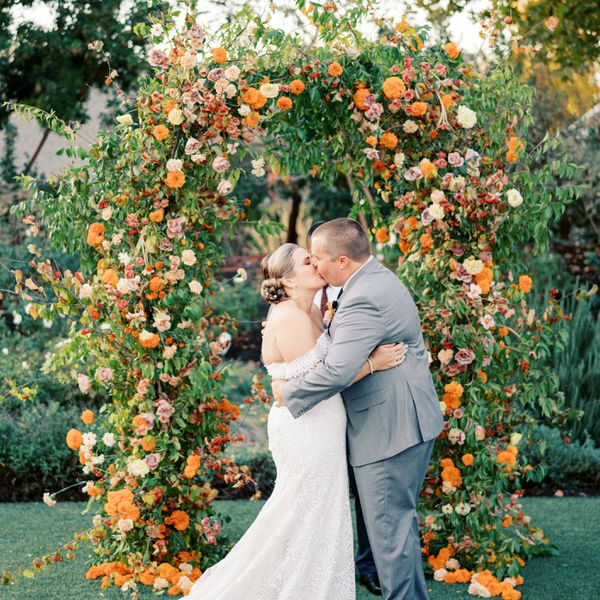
(302, 364)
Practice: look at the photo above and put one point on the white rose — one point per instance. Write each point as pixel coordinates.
(232, 73)
(410, 126)
(195, 287)
(108, 439)
(447, 509)
(137, 468)
(399, 159)
(175, 116)
(174, 164)
(439, 574)
(188, 61)
(445, 356)
(188, 258)
(452, 564)
(244, 110)
(437, 196)
(89, 439)
(125, 525)
(156, 29)
(85, 291)
(436, 211)
(125, 120)
(462, 508)
(473, 266)
(466, 117)
(515, 438)
(224, 187)
(514, 198)
(269, 90)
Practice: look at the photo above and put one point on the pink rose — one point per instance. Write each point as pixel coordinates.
(105, 374)
(192, 146)
(157, 58)
(220, 164)
(152, 460)
(464, 356)
(455, 159)
(84, 383)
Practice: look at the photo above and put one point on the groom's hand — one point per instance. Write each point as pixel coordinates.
(276, 387)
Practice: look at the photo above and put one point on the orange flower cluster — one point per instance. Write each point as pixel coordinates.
(497, 587)
(110, 277)
(451, 49)
(74, 439)
(254, 98)
(95, 235)
(453, 392)
(120, 504)
(418, 109)
(508, 458)
(296, 87)
(439, 561)
(393, 88)
(284, 103)
(160, 132)
(388, 140)
(484, 279)
(192, 466)
(450, 473)
(179, 519)
(87, 416)
(335, 69)
(359, 98)
(467, 459)
(219, 55)
(382, 235)
(525, 283)
(515, 147)
(458, 576)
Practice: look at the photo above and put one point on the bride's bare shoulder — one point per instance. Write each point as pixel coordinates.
(287, 314)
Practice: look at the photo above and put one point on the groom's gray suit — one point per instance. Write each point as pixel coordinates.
(393, 418)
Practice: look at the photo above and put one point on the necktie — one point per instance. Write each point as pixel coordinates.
(324, 301)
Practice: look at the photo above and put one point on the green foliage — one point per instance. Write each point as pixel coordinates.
(569, 465)
(35, 459)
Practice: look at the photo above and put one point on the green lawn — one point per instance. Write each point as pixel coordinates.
(27, 530)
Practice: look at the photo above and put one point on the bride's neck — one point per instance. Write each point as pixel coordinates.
(304, 300)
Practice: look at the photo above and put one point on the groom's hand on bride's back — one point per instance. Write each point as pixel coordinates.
(388, 356)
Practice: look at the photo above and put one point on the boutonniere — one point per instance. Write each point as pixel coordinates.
(331, 308)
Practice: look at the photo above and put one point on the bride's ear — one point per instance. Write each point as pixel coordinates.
(287, 282)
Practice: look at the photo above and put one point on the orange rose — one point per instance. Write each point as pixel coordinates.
(467, 459)
(382, 235)
(219, 55)
(359, 98)
(284, 103)
(371, 141)
(148, 443)
(426, 242)
(175, 179)
(525, 283)
(94, 491)
(335, 69)
(95, 234)
(157, 215)
(388, 140)
(253, 98)
(296, 87)
(74, 439)
(446, 100)
(428, 169)
(450, 473)
(393, 88)
(515, 147)
(192, 466)
(251, 119)
(87, 416)
(110, 277)
(148, 340)
(160, 132)
(179, 519)
(452, 50)
(418, 109)
(156, 284)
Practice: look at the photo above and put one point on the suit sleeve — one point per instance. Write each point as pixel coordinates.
(358, 331)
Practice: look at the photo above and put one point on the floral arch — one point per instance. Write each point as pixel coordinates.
(439, 165)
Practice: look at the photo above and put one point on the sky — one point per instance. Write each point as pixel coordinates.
(463, 30)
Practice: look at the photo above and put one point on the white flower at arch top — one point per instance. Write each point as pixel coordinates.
(175, 116)
(466, 117)
(514, 198)
(473, 266)
(269, 90)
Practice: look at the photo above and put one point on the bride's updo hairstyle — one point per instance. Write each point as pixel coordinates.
(276, 266)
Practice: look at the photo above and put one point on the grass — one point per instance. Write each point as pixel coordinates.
(28, 530)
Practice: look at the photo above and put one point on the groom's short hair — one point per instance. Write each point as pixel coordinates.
(344, 237)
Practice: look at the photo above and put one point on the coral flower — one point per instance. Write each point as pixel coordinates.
(254, 98)
(179, 519)
(95, 234)
(359, 98)
(418, 109)
(296, 87)
(393, 88)
(156, 284)
(284, 103)
(74, 439)
(382, 235)
(428, 169)
(192, 466)
(148, 340)
(175, 179)
(335, 69)
(467, 459)
(160, 132)
(452, 50)
(388, 140)
(251, 119)
(157, 215)
(110, 277)
(525, 283)
(87, 416)
(219, 55)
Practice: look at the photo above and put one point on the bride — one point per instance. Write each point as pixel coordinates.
(300, 547)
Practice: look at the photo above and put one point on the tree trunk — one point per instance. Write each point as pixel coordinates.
(37, 152)
(292, 228)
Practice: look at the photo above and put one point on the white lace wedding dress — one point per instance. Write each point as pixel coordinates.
(300, 545)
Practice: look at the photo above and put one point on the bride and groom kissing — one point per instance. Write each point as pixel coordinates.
(355, 389)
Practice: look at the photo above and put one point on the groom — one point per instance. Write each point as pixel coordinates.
(393, 416)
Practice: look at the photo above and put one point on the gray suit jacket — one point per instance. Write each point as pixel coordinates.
(388, 411)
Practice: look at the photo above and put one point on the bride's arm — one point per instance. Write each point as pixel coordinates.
(382, 358)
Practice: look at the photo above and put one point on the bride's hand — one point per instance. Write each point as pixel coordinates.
(276, 388)
(388, 356)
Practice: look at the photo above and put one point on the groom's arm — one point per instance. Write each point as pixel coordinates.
(358, 330)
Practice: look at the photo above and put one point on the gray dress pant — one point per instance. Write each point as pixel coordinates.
(389, 491)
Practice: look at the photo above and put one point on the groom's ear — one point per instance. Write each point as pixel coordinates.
(344, 262)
